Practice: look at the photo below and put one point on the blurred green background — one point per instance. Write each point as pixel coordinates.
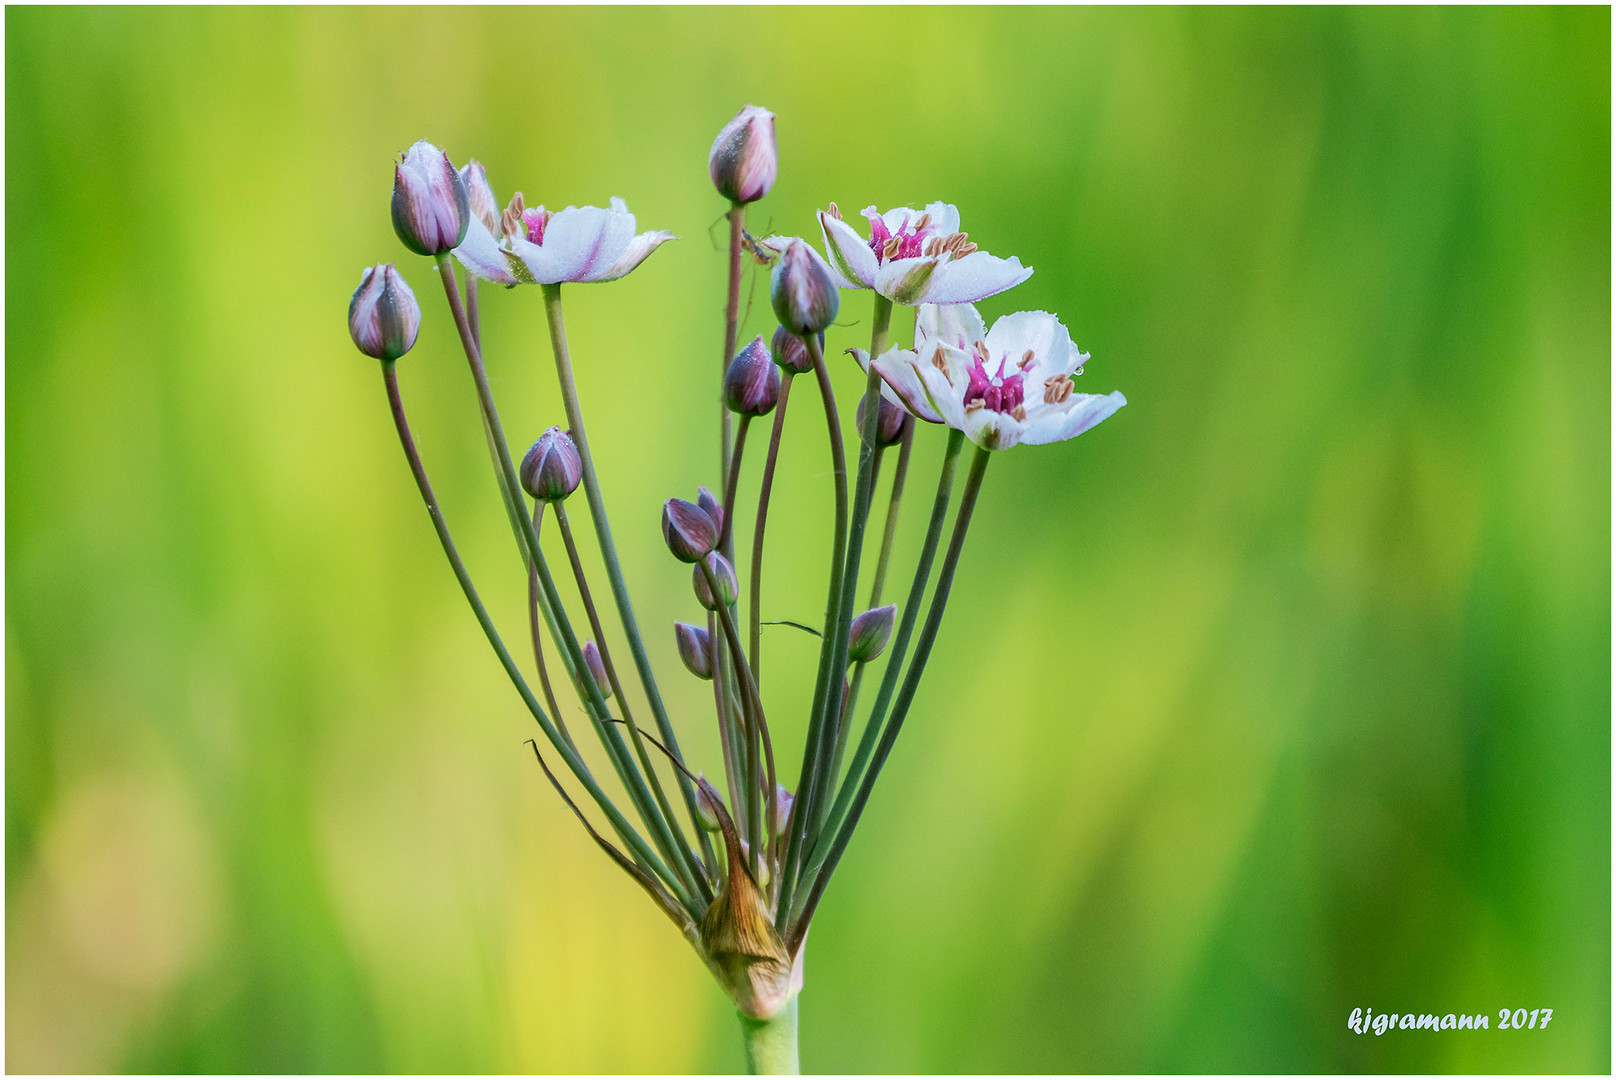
(1285, 691)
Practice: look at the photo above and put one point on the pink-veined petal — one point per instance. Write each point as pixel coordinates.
(1072, 417)
(975, 277)
(993, 430)
(480, 254)
(849, 255)
(901, 382)
(584, 241)
(636, 252)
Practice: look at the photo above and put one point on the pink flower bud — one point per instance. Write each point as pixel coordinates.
(383, 317)
(888, 422)
(430, 206)
(802, 291)
(752, 383)
(597, 671)
(707, 800)
(693, 645)
(868, 636)
(783, 802)
(551, 468)
(715, 509)
(791, 351)
(743, 161)
(480, 194)
(723, 573)
(688, 530)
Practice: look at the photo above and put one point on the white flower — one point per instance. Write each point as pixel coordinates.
(1010, 385)
(536, 246)
(916, 257)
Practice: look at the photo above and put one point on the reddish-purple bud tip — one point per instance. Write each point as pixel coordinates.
(383, 316)
(868, 636)
(430, 207)
(783, 802)
(804, 295)
(551, 468)
(689, 531)
(790, 351)
(723, 573)
(888, 422)
(744, 161)
(597, 671)
(693, 645)
(752, 383)
(715, 509)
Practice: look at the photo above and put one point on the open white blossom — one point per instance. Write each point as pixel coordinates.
(916, 257)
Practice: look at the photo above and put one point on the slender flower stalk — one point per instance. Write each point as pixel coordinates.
(608, 550)
(899, 648)
(822, 682)
(506, 474)
(643, 854)
(680, 848)
(538, 636)
(899, 472)
(732, 319)
(766, 487)
(900, 710)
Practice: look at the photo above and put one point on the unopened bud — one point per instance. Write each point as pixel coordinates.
(693, 645)
(383, 317)
(597, 671)
(689, 531)
(430, 206)
(551, 468)
(868, 636)
(790, 351)
(804, 296)
(744, 161)
(705, 813)
(783, 802)
(888, 421)
(715, 509)
(480, 194)
(752, 383)
(724, 574)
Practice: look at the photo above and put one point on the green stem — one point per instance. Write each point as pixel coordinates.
(897, 651)
(764, 491)
(505, 473)
(732, 318)
(771, 1045)
(642, 851)
(538, 636)
(906, 696)
(608, 552)
(822, 680)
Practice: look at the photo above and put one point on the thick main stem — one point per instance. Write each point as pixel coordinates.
(608, 551)
(900, 710)
(771, 1045)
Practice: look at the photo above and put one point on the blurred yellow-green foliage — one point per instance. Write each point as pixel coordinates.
(1283, 692)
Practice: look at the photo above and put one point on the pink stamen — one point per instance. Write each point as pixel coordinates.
(910, 244)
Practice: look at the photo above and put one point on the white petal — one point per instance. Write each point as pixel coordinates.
(1072, 417)
(638, 248)
(895, 219)
(583, 242)
(852, 262)
(945, 390)
(975, 277)
(1039, 331)
(907, 281)
(944, 218)
(959, 325)
(480, 254)
(993, 430)
(901, 382)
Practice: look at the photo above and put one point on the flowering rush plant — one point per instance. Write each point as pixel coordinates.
(739, 864)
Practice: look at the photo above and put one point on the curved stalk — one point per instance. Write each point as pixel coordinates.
(732, 318)
(764, 490)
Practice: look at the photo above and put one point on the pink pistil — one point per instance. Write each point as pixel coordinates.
(534, 221)
(910, 243)
(998, 393)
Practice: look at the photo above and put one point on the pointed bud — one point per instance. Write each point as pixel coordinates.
(715, 509)
(724, 574)
(888, 424)
(752, 383)
(551, 468)
(480, 195)
(804, 295)
(430, 206)
(383, 317)
(783, 802)
(704, 803)
(688, 530)
(744, 161)
(790, 351)
(597, 671)
(868, 636)
(693, 644)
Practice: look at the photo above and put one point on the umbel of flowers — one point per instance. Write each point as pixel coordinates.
(739, 864)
